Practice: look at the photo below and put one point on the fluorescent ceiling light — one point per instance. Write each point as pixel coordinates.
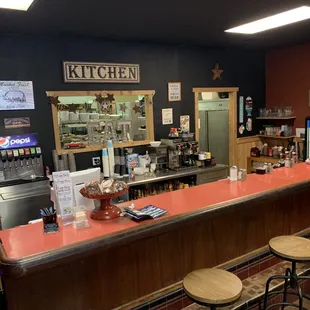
(22, 5)
(274, 21)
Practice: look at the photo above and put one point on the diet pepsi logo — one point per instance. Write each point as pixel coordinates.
(20, 141)
(4, 142)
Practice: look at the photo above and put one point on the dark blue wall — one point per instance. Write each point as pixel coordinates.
(39, 59)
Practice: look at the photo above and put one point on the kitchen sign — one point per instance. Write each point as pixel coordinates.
(90, 72)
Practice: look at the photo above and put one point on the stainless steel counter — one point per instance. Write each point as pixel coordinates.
(22, 202)
(168, 175)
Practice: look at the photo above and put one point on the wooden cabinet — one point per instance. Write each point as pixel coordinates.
(212, 176)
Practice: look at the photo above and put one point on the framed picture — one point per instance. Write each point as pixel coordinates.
(174, 91)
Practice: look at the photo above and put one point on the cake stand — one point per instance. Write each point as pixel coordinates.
(107, 210)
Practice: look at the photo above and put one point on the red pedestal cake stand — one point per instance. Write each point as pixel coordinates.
(107, 210)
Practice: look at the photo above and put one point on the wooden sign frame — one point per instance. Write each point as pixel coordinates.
(174, 91)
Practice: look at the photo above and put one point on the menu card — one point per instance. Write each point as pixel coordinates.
(64, 195)
(147, 212)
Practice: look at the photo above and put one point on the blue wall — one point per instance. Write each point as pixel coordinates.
(39, 59)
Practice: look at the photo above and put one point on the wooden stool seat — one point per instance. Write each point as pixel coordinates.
(292, 248)
(212, 286)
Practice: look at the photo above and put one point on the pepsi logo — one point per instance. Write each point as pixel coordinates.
(4, 142)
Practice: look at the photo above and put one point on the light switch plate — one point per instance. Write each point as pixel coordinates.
(96, 161)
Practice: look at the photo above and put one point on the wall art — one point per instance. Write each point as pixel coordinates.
(167, 116)
(16, 122)
(174, 91)
(16, 95)
(184, 123)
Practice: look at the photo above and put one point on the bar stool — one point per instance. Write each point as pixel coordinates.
(296, 250)
(212, 287)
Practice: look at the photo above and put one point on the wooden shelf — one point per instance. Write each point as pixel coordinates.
(276, 137)
(265, 159)
(99, 147)
(279, 118)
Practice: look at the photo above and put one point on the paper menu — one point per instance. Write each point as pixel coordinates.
(63, 191)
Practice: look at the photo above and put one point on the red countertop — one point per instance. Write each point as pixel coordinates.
(24, 241)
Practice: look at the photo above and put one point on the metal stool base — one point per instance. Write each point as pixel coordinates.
(291, 280)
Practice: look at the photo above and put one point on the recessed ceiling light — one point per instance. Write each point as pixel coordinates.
(22, 5)
(274, 21)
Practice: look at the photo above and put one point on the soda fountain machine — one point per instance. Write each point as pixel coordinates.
(23, 187)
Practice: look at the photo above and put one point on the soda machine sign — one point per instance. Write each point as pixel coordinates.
(11, 142)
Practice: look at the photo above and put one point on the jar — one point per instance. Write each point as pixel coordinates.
(275, 152)
(287, 155)
(242, 174)
(269, 168)
(233, 173)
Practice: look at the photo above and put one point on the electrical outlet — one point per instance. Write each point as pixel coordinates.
(96, 161)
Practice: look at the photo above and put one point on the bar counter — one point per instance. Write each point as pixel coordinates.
(115, 262)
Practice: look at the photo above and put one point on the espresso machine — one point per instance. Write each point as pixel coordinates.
(181, 154)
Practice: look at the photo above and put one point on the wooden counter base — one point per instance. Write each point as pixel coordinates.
(135, 267)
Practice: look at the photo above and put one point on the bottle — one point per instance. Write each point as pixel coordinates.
(265, 149)
(255, 152)
(294, 157)
(233, 173)
(270, 151)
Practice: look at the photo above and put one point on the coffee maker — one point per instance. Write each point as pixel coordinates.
(181, 154)
(159, 157)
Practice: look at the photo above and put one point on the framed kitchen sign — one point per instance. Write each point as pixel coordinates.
(16, 95)
(93, 72)
(174, 91)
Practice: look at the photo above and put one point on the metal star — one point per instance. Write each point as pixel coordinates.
(105, 105)
(99, 98)
(123, 107)
(87, 107)
(72, 108)
(217, 72)
(137, 109)
(54, 101)
(110, 97)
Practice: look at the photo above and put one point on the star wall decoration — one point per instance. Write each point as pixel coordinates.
(87, 107)
(123, 107)
(54, 100)
(217, 72)
(105, 104)
(110, 97)
(137, 109)
(72, 108)
(99, 98)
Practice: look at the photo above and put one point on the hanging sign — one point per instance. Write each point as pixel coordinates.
(90, 72)
(16, 122)
(16, 95)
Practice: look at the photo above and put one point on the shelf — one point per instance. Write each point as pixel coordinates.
(99, 147)
(279, 118)
(265, 159)
(276, 137)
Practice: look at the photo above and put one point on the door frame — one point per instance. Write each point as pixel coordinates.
(232, 91)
